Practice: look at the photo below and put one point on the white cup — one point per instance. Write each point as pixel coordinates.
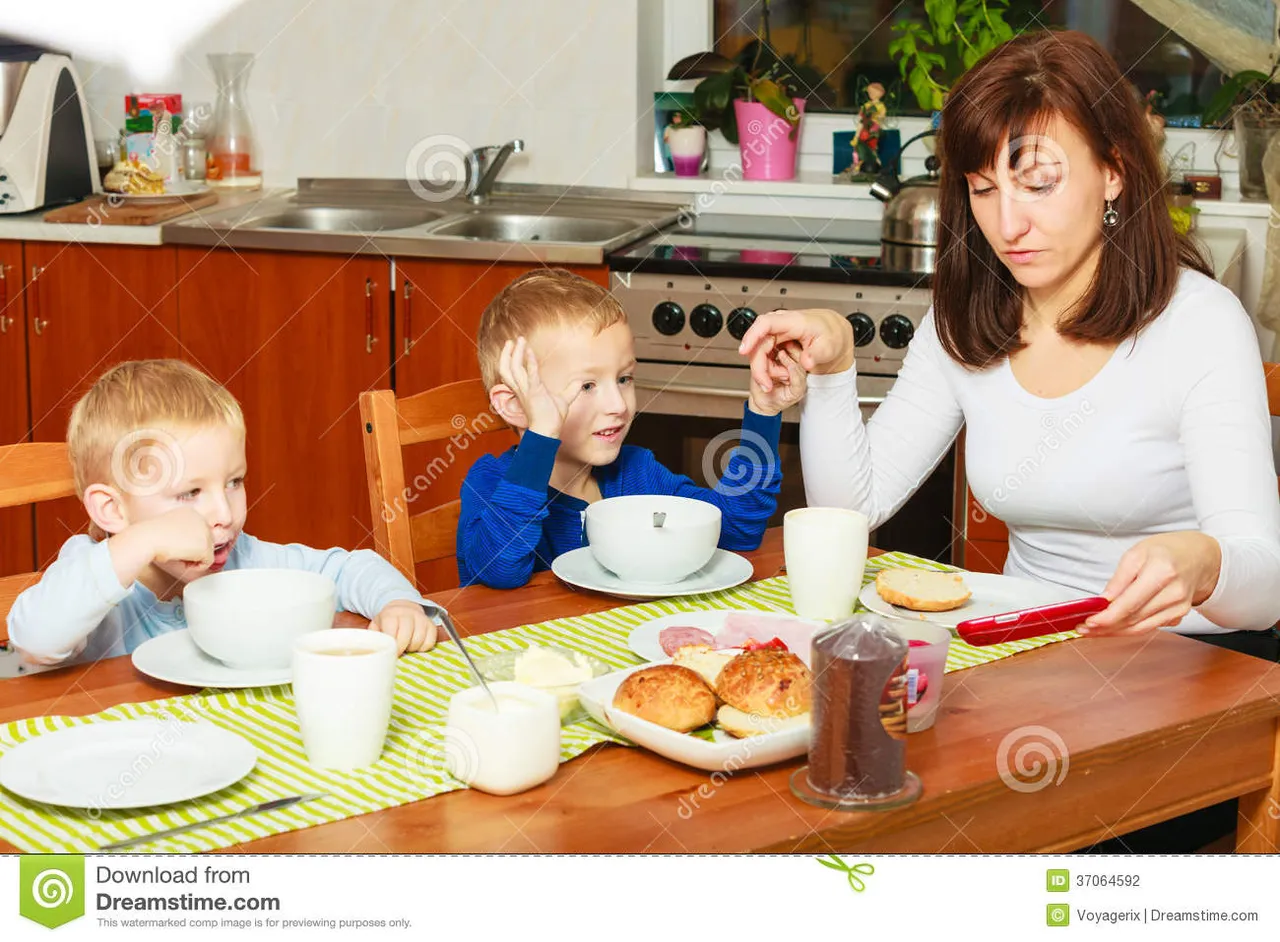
(343, 683)
(505, 751)
(826, 554)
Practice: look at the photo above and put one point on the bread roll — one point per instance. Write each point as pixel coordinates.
(669, 695)
(766, 682)
(921, 590)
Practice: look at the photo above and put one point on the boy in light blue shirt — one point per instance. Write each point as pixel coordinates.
(157, 450)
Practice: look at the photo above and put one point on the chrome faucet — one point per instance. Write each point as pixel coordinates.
(483, 165)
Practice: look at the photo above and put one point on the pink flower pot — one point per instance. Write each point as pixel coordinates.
(765, 140)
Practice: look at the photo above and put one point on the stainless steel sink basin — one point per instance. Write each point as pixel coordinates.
(512, 227)
(344, 219)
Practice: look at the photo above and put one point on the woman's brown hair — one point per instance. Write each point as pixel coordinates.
(1013, 92)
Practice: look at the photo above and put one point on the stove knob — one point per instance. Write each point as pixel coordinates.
(864, 328)
(740, 321)
(668, 318)
(896, 331)
(706, 320)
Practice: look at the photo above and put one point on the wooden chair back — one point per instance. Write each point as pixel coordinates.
(30, 472)
(390, 425)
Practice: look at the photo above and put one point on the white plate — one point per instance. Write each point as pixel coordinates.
(724, 755)
(126, 764)
(172, 191)
(175, 658)
(643, 639)
(992, 595)
(579, 568)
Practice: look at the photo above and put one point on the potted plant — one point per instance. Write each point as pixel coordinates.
(958, 33)
(753, 102)
(686, 139)
(1250, 100)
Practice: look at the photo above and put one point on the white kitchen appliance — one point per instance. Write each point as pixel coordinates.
(46, 146)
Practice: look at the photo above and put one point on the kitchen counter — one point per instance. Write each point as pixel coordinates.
(31, 227)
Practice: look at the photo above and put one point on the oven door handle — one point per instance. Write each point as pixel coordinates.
(720, 392)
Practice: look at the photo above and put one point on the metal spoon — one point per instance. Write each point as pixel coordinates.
(440, 615)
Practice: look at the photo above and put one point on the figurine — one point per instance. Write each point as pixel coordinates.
(870, 120)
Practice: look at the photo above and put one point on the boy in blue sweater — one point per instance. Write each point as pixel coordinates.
(558, 358)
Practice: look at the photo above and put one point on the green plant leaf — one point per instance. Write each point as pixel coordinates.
(1225, 97)
(701, 65)
(968, 7)
(918, 80)
(970, 56)
(942, 14)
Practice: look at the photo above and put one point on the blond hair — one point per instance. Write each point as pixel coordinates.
(549, 297)
(131, 406)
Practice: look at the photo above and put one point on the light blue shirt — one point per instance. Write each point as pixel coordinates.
(79, 611)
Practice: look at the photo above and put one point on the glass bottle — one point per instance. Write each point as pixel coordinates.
(231, 144)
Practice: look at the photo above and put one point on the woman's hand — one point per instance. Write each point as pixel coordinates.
(1157, 582)
(824, 341)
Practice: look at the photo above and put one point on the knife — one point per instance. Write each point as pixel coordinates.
(274, 805)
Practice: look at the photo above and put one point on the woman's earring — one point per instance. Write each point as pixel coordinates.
(1110, 217)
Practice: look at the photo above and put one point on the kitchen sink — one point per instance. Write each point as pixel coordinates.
(344, 219)
(511, 227)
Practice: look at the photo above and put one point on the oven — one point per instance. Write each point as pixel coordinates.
(690, 295)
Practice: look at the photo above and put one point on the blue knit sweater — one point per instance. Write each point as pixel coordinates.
(513, 523)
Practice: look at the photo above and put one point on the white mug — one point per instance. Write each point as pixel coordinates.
(507, 750)
(826, 555)
(343, 683)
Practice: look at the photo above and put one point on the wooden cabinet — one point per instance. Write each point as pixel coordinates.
(87, 308)
(438, 308)
(296, 338)
(983, 539)
(17, 540)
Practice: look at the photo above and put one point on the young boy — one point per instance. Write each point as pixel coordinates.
(157, 450)
(557, 358)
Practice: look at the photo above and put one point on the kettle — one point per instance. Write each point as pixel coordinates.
(909, 230)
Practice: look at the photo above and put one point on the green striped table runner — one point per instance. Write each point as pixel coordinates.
(412, 764)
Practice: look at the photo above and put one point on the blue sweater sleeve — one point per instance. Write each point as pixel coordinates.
(500, 524)
(747, 492)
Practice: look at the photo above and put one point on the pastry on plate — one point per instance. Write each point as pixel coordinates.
(922, 590)
(766, 682)
(736, 723)
(133, 177)
(667, 694)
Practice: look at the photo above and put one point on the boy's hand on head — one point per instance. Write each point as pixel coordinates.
(408, 624)
(544, 410)
(785, 393)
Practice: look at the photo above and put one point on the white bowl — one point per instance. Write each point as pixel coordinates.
(250, 618)
(624, 540)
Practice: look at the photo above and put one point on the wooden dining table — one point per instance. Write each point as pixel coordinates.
(1049, 750)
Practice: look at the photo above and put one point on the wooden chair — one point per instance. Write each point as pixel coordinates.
(453, 411)
(29, 473)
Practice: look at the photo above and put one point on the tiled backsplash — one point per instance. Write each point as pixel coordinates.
(348, 89)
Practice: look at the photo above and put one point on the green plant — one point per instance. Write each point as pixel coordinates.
(1249, 93)
(931, 57)
(757, 75)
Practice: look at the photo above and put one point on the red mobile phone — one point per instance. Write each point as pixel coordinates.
(1029, 622)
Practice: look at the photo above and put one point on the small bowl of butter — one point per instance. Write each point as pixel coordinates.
(559, 671)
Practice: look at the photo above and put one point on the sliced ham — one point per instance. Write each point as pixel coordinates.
(741, 627)
(677, 636)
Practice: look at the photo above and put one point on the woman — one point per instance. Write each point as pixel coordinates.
(1112, 391)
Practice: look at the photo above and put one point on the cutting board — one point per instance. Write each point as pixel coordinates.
(96, 210)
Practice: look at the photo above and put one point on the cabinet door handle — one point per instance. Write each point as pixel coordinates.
(408, 316)
(36, 321)
(369, 338)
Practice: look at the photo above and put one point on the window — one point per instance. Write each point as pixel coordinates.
(836, 47)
